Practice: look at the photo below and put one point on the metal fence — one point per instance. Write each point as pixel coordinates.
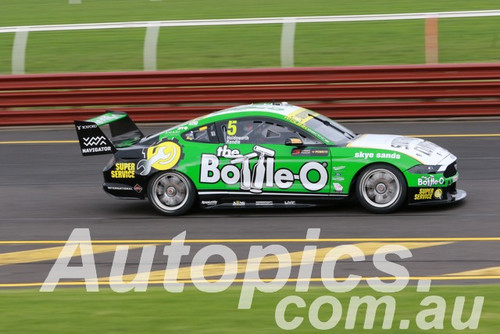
(287, 33)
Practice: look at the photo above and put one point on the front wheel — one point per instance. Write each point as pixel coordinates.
(171, 193)
(381, 188)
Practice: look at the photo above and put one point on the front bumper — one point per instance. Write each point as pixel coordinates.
(435, 188)
(460, 195)
(431, 196)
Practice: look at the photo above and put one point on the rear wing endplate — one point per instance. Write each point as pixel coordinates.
(93, 141)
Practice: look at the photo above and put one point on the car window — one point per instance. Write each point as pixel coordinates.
(323, 125)
(255, 131)
(202, 134)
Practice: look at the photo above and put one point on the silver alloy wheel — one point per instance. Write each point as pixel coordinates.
(380, 188)
(170, 191)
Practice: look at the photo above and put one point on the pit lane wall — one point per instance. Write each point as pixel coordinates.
(339, 92)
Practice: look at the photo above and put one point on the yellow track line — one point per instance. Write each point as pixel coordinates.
(194, 241)
(490, 271)
(289, 280)
(422, 136)
(52, 253)
(270, 262)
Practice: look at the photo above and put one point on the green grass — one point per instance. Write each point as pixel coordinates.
(155, 311)
(322, 44)
(85, 51)
(470, 39)
(29, 12)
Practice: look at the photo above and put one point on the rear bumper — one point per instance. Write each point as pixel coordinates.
(124, 190)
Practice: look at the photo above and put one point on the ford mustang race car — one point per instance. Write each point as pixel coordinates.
(267, 155)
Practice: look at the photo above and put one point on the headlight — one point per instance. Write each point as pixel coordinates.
(424, 169)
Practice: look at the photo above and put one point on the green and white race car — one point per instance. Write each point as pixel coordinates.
(267, 155)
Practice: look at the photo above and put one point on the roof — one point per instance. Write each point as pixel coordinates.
(281, 109)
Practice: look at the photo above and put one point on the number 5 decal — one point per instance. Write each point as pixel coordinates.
(231, 128)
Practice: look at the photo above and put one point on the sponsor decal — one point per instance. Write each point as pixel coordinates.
(388, 156)
(429, 181)
(94, 141)
(362, 155)
(121, 188)
(262, 174)
(106, 118)
(298, 151)
(97, 149)
(85, 127)
(224, 151)
(123, 170)
(320, 152)
(239, 203)
(438, 194)
(259, 203)
(310, 152)
(138, 188)
(163, 156)
(423, 194)
(370, 155)
(338, 187)
(289, 203)
(97, 144)
(338, 178)
(209, 203)
(337, 168)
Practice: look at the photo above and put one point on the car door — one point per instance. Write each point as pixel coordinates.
(258, 156)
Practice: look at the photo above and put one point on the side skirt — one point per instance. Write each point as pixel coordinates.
(238, 199)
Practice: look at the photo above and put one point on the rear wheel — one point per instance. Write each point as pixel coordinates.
(381, 188)
(171, 193)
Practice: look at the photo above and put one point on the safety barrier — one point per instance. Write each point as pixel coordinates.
(339, 92)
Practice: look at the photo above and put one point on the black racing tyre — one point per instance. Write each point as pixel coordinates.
(171, 193)
(381, 188)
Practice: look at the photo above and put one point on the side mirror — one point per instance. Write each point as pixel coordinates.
(294, 141)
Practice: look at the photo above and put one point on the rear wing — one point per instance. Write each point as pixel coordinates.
(93, 141)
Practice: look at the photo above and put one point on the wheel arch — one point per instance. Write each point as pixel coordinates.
(188, 192)
(150, 176)
(354, 180)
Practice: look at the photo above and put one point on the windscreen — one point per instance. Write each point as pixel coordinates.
(323, 125)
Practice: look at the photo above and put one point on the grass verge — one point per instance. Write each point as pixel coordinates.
(75, 311)
(320, 44)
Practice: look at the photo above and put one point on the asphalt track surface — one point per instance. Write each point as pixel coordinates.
(48, 189)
